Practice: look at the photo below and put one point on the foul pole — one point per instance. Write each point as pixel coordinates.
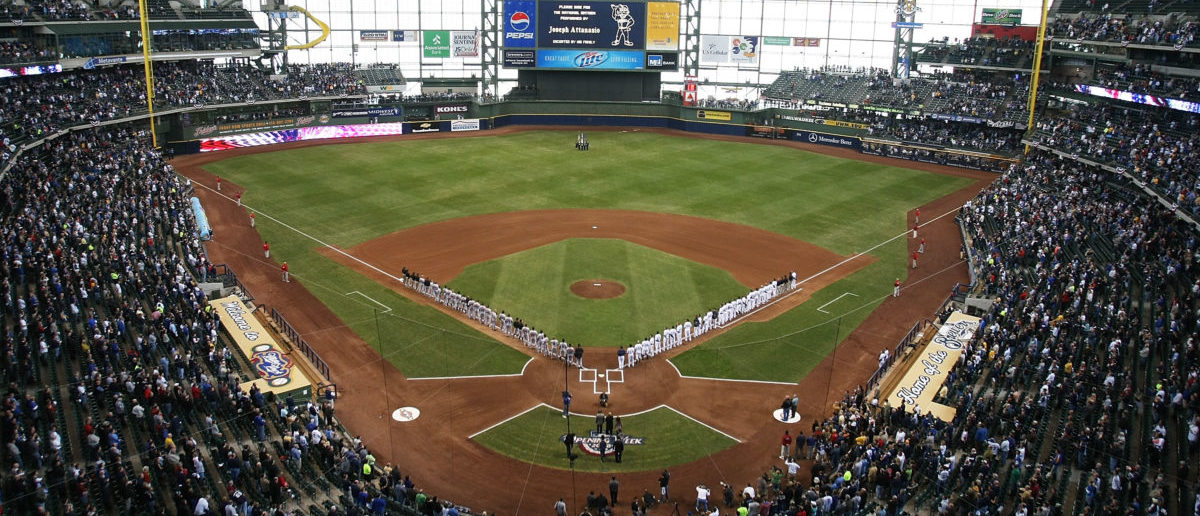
(1037, 65)
(149, 68)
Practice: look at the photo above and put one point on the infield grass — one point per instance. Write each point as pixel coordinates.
(670, 439)
(661, 289)
(348, 193)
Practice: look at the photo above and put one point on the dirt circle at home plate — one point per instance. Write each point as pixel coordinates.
(597, 289)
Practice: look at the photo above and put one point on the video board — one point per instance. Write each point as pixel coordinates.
(589, 35)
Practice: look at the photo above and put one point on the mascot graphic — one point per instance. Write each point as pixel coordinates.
(620, 14)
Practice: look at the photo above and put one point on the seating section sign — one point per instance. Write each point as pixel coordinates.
(932, 366)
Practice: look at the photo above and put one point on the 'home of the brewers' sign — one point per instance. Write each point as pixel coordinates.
(934, 362)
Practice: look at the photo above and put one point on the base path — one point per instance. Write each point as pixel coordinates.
(434, 449)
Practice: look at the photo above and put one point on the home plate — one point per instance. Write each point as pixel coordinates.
(595, 284)
(593, 227)
(778, 413)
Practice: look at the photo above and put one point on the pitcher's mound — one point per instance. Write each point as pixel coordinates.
(597, 289)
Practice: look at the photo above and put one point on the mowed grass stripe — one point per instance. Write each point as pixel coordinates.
(670, 439)
(661, 289)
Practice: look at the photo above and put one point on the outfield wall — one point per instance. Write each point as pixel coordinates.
(771, 123)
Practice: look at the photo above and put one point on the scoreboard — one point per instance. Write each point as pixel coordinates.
(588, 35)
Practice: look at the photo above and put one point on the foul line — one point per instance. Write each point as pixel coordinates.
(822, 307)
(699, 422)
(767, 382)
(509, 375)
(638, 413)
(371, 299)
(510, 418)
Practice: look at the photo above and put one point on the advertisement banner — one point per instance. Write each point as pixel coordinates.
(743, 49)
(591, 25)
(436, 43)
(714, 49)
(778, 41)
(933, 365)
(302, 134)
(372, 35)
(766, 131)
(714, 115)
(275, 369)
(520, 59)
(464, 43)
(346, 113)
(852, 125)
(1001, 16)
(662, 26)
(806, 42)
(451, 109)
(832, 140)
(423, 127)
(662, 60)
(591, 59)
(520, 27)
(464, 125)
(404, 36)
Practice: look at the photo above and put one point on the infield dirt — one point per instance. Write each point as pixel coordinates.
(435, 450)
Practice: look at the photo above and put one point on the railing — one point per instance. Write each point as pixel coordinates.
(908, 341)
(288, 331)
(227, 271)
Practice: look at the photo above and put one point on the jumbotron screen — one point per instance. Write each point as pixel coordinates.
(565, 35)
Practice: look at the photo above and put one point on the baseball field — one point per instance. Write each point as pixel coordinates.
(347, 195)
(600, 248)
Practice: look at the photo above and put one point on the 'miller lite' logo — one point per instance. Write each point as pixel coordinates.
(591, 444)
(590, 59)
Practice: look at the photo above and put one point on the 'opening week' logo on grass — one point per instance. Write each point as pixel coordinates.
(591, 444)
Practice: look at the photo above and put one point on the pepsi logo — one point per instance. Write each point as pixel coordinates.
(519, 21)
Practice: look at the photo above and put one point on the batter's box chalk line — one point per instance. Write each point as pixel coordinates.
(609, 377)
(836, 299)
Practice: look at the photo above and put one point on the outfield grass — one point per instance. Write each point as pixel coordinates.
(347, 194)
(661, 289)
(670, 439)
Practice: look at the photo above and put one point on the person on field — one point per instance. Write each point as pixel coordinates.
(896, 288)
(267, 250)
(284, 268)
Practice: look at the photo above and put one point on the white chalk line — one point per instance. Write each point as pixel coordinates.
(822, 307)
(476, 376)
(510, 418)
(371, 299)
(638, 413)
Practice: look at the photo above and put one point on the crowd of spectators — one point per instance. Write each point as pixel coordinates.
(121, 394)
(107, 10)
(16, 52)
(35, 106)
(999, 52)
(1154, 145)
(978, 137)
(1077, 394)
(1140, 78)
(1148, 30)
(981, 94)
